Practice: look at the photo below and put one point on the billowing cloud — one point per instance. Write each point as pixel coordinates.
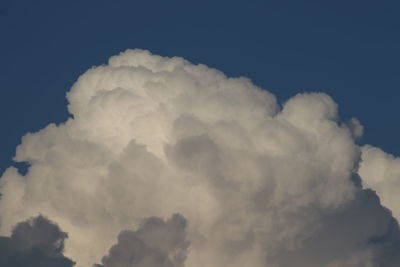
(381, 172)
(35, 243)
(258, 184)
(155, 244)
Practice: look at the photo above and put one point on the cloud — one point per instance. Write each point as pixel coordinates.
(259, 184)
(155, 244)
(35, 242)
(381, 172)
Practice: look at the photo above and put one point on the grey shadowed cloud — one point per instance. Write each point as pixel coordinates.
(36, 242)
(156, 243)
(362, 232)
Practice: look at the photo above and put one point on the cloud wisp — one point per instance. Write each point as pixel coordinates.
(251, 183)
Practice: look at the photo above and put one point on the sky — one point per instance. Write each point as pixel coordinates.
(348, 49)
(180, 133)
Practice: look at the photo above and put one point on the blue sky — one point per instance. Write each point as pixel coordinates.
(348, 49)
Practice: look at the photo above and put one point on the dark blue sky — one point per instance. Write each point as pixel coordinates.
(348, 49)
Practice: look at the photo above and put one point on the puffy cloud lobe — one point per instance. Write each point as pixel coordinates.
(344, 239)
(36, 242)
(381, 172)
(355, 127)
(259, 184)
(155, 244)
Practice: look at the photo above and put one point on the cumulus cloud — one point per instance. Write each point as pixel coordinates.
(259, 184)
(381, 172)
(155, 244)
(36, 242)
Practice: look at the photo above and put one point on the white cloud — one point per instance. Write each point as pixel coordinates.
(381, 172)
(259, 185)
